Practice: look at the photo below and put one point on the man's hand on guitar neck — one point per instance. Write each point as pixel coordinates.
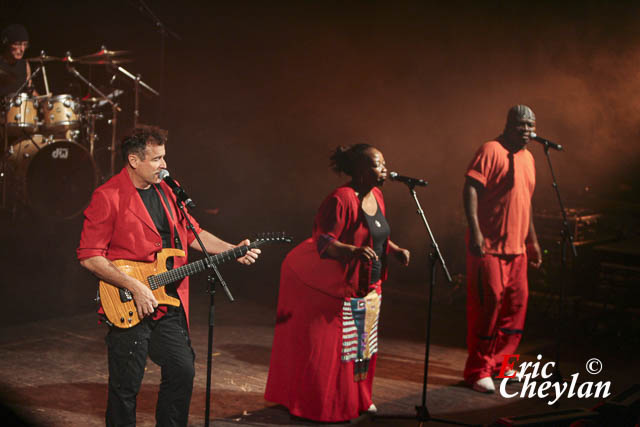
(103, 268)
(215, 245)
(252, 254)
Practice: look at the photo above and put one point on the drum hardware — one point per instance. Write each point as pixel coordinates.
(95, 102)
(21, 115)
(107, 57)
(42, 59)
(137, 83)
(6, 130)
(42, 132)
(55, 177)
(91, 117)
(104, 53)
(104, 61)
(60, 113)
(114, 107)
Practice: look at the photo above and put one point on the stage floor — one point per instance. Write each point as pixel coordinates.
(53, 373)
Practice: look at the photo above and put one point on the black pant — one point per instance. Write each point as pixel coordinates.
(166, 342)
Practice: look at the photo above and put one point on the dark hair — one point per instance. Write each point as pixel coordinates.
(136, 141)
(345, 158)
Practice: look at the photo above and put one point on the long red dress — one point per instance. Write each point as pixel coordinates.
(307, 373)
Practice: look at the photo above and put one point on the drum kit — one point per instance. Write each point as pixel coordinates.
(49, 140)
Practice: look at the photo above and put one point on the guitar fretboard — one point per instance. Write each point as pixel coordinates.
(195, 267)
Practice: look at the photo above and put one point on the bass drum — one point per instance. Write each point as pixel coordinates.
(59, 179)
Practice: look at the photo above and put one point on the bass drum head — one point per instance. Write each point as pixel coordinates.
(60, 180)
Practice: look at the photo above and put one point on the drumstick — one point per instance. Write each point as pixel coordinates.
(46, 81)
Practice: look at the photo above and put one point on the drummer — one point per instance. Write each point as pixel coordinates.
(15, 40)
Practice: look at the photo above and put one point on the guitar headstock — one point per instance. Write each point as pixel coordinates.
(278, 236)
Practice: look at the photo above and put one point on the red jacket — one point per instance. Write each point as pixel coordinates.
(339, 217)
(117, 225)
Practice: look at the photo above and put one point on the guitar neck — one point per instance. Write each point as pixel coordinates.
(199, 266)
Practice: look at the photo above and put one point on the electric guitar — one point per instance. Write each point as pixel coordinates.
(118, 304)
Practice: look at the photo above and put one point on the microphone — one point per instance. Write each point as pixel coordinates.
(412, 182)
(546, 142)
(178, 191)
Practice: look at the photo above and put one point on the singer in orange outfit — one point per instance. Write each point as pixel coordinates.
(501, 238)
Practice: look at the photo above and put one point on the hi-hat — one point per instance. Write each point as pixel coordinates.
(44, 58)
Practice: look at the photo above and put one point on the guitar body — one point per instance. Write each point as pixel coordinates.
(117, 303)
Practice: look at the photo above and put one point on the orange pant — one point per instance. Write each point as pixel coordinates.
(497, 293)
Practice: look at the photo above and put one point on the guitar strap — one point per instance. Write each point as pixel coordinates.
(176, 237)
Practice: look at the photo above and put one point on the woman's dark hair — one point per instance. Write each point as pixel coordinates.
(136, 141)
(346, 158)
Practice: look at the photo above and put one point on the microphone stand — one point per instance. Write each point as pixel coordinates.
(211, 279)
(435, 258)
(566, 240)
(164, 31)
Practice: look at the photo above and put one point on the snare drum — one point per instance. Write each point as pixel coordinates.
(21, 115)
(57, 176)
(60, 113)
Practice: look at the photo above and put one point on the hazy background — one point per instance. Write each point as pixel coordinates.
(255, 96)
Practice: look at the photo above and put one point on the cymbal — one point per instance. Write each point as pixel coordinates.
(44, 58)
(91, 100)
(106, 61)
(104, 53)
(95, 99)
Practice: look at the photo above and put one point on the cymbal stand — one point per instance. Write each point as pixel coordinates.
(114, 106)
(3, 160)
(137, 81)
(92, 131)
(44, 73)
(114, 122)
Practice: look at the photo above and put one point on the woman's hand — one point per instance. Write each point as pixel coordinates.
(364, 253)
(403, 255)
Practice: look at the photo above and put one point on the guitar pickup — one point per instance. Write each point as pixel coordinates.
(125, 295)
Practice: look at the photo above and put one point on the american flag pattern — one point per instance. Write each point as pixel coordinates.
(360, 327)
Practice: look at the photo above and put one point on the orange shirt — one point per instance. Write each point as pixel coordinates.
(504, 206)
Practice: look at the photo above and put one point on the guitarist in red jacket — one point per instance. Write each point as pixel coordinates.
(133, 216)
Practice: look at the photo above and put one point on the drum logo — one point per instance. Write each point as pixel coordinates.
(60, 153)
